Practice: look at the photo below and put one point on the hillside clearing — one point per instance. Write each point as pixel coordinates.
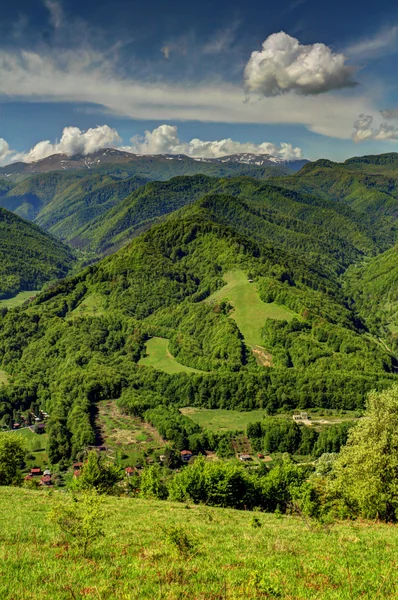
(19, 299)
(92, 305)
(160, 358)
(223, 420)
(126, 434)
(135, 560)
(3, 377)
(250, 312)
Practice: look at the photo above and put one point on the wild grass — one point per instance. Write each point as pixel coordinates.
(250, 312)
(159, 357)
(155, 550)
(18, 300)
(223, 420)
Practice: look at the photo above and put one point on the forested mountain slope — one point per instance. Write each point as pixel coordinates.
(300, 221)
(83, 339)
(28, 256)
(61, 203)
(368, 184)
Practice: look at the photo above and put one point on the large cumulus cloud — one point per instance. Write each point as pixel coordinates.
(73, 141)
(364, 130)
(164, 140)
(284, 65)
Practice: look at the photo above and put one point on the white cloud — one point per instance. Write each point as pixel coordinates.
(285, 65)
(90, 77)
(164, 140)
(56, 13)
(382, 43)
(222, 41)
(73, 141)
(4, 150)
(364, 130)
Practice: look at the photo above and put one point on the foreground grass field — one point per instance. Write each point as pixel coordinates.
(160, 358)
(18, 300)
(250, 312)
(228, 558)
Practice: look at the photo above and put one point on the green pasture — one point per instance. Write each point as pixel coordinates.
(223, 420)
(92, 305)
(18, 300)
(250, 312)
(224, 554)
(159, 357)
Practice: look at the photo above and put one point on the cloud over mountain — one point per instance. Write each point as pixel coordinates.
(164, 140)
(4, 149)
(284, 65)
(73, 141)
(364, 130)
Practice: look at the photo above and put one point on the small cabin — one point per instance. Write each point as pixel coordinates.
(186, 455)
(244, 457)
(129, 471)
(45, 480)
(77, 466)
(35, 471)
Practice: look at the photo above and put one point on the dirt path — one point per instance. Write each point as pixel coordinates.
(264, 358)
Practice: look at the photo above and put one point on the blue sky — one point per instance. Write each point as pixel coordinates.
(290, 78)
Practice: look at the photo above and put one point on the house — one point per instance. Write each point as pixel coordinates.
(35, 471)
(45, 480)
(162, 457)
(129, 471)
(47, 472)
(77, 466)
(41, 427)
(303, 416)
(186, 455)
(260, 455)
(17, 425)
(28, 477)
(244, 457)
(77, 473)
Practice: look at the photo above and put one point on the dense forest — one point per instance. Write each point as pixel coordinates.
(83, 339)
(28, 256)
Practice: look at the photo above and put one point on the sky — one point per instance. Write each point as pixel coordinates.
(290, 78)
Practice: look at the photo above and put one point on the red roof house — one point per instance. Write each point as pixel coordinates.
(35, 471)
(186, 455)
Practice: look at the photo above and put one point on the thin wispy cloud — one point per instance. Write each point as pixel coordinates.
(382, 43)
(90, 77)
(56, 13)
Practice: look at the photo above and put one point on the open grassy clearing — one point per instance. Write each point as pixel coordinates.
(234, 420)
(159, 357)
(36, 445)
(19, 299)
(127, 435)
(92, 305)
(4, 378)
(223, 420)
(230, 559)
(250, 312)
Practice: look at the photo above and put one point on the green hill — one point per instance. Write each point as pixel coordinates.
(367, 184)
(84, 338)
(225, 554)
(28, 256)
(62, 203)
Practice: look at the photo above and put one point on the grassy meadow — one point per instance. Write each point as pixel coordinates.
(250, 312)
(17, 300)
(223, 420)
(228, 554)
(159, 357)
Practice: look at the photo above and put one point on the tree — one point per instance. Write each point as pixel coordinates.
(366, 472)
(152, 485)
(12, 455)
(98, 474)
(80, 520)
